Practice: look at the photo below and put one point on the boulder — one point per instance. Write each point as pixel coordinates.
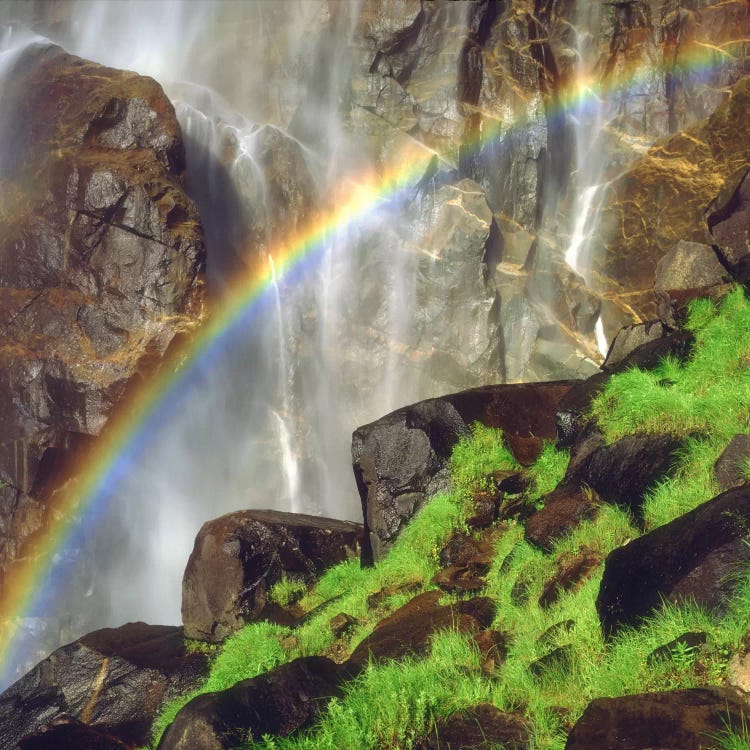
(408, 630)
(239, 557)
(629, 338)
(621, 473)
(695, 557)
(564, 508)
(113, 680)
(102, 258)
(481, 727)
(71, 735)
(729, 467)
(287, 698)
(670, 720)
(401, 459)
(571, 572)
(729, 223)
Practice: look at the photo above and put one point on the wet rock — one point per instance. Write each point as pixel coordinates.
(564, 508)
(674, 720)
(663, 199)
(729, 222)
(401, 459)
(238, 557)
(407, 631)
(623, 472)
(571, 572)
(572, 412)
(71, 735)
(102, 255)
(687, 642)
(631, 337)
(729, 468)
(479, 728)
(114, 680)
(287, 698)
(694, 557)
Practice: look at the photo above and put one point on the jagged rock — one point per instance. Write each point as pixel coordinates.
(729, 467)
(71, 735)
(287, 698)
(408, 630)
(689, 265)
(570, 574)
(481, 727)
(114, 680)
(673, 720)
(729, 223)
(621, 473)
(663, 198)
(101, 254)
(631, 337)
(694, 557)
(238, 557)
(564, 508)
(400, 459)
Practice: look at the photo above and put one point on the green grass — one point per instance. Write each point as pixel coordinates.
(287, 592)
(706, 400)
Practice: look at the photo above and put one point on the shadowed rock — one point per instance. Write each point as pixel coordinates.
(239, 557)
(729, 468)
(479, 728)
(564, 508)
(675, 720)
(729, 223)
(401, 459)
(113, 679)
(278, 702)
(571, 572)
(698, 556)
(71, 735)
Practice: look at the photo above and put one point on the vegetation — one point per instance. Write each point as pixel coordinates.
(391, 705)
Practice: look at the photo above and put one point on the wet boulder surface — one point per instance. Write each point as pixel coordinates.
(101, 261)
(401, 459)
(695, 557)
(112, 680)
(239, 557)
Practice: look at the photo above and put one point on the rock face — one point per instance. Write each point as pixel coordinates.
(71, 735)
(114, 680)
(278, 702)
(101, 255)
(400, 460)
(696, 556)
(239, 557)
(676, 720)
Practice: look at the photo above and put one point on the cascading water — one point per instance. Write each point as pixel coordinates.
(280, 115)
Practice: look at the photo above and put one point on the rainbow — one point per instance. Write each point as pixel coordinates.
(75, 512)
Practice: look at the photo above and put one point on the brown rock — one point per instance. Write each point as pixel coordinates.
(102, 255)
(570, 574)
(238, 557)
(730, 464)
(463, 550)
(114, 680)
(675, 720)
(564, 508)
(407, 631)
(460, 579)
(479, 728)
(341, 624)
(70, 735)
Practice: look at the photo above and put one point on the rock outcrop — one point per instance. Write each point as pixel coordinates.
(113, 680)
(400, 460)
(238, 558)
(101, 256)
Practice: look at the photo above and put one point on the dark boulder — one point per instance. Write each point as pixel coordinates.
(629, 338)
(621, 473)
(729, 224)
(481, 727)
(102, 255)
(685, 643)
(401, 459)
(287, 698)
(408, 630)
(239, 557)
(113, 679)
(564, 508)
(674, 720)
(71, 735)
(729, 468)
(695, 557)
